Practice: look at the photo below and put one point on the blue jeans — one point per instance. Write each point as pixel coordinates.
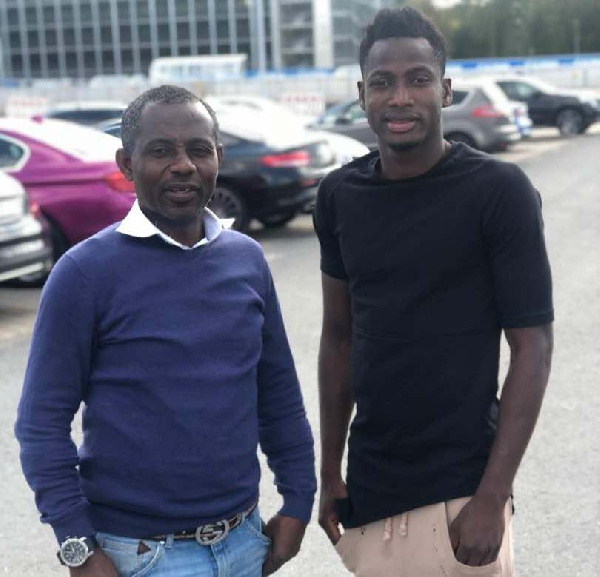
(240, 554)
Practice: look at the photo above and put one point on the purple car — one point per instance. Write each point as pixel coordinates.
(70, 174)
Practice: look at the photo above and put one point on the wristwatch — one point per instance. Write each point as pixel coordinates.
(75, 551)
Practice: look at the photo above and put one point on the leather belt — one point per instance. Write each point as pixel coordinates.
(210, 533)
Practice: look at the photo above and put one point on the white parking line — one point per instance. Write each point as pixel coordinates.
(541, 141)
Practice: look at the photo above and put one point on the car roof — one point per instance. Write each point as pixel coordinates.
(81, 142)
(90, 105)
(264, 127)
(256, 127)
(489, 88)
(542, 84)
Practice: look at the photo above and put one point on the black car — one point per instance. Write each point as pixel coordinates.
(86, 113)
(571, 112)
(271, 178)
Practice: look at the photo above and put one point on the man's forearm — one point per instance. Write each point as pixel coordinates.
(520, 405)
(336, 402)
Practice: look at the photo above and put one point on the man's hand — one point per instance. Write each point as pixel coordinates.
(476, 533)
(328, 517)
(286, 536)
(98, 565)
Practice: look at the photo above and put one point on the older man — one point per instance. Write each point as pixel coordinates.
(167, 328)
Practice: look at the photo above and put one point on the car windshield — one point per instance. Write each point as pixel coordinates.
(536, 83)
(260, 106)
(332, 113)
(539, 84)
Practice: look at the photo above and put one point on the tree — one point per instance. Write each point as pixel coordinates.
(478, 28)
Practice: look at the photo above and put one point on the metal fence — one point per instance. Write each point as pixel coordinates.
(308, 93)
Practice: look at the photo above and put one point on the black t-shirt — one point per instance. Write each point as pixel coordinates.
(437, 266)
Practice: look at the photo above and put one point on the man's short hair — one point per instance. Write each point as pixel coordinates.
(403, 22)
(165, 94)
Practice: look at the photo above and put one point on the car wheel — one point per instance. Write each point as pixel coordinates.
(277, 220)
(461, 137)
(570, 122)
(226, 203)
(60, 244)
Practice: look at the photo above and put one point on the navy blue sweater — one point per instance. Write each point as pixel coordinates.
(183, 365)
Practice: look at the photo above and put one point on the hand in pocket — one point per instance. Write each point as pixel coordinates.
(476, 533)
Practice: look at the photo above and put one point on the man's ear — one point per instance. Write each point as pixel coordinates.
(361, 93)
(447, 92)
(123, 159)
(219, 153)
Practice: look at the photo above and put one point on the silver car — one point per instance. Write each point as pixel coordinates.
(480, 116)
(24, 248)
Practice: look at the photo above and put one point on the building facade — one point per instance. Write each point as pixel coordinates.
(86, 38)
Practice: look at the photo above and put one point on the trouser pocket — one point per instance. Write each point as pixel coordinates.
(131, 557)
(447, 512)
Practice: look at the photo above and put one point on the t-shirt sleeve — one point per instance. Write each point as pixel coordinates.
(513, 231)
(324, 219)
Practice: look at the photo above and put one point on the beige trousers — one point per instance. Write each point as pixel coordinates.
(417, 544)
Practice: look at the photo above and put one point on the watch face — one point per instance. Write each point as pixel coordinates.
(74, 552)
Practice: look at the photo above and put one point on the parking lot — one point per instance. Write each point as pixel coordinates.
(557, 494)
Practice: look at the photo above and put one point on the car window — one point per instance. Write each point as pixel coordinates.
(331, 114)
(518, 90)
(458, 96)
(66, 115)
(355, 112)
(228, 139)
(91, 116)
(114, 130)
(10, 154)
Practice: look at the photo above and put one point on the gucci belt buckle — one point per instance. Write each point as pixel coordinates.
(213, 533)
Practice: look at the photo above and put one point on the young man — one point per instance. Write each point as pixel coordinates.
(168, 329)
(429, 251)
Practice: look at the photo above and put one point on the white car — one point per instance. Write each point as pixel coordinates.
(24, 248)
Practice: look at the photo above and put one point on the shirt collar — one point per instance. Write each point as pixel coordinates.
(137, 224)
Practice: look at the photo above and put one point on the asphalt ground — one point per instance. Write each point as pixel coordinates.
(557, 491)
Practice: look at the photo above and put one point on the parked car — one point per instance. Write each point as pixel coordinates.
(86, 113)
(69, 172)
(275, 115)
(269, 172)
(570, 111)
(480, 116)
(24, 247)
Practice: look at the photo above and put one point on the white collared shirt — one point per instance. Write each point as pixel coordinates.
(137, 224)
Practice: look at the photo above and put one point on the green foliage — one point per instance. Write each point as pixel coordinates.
(479, 28)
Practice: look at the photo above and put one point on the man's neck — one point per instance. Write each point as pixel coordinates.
(187, 232)
(403, 164)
